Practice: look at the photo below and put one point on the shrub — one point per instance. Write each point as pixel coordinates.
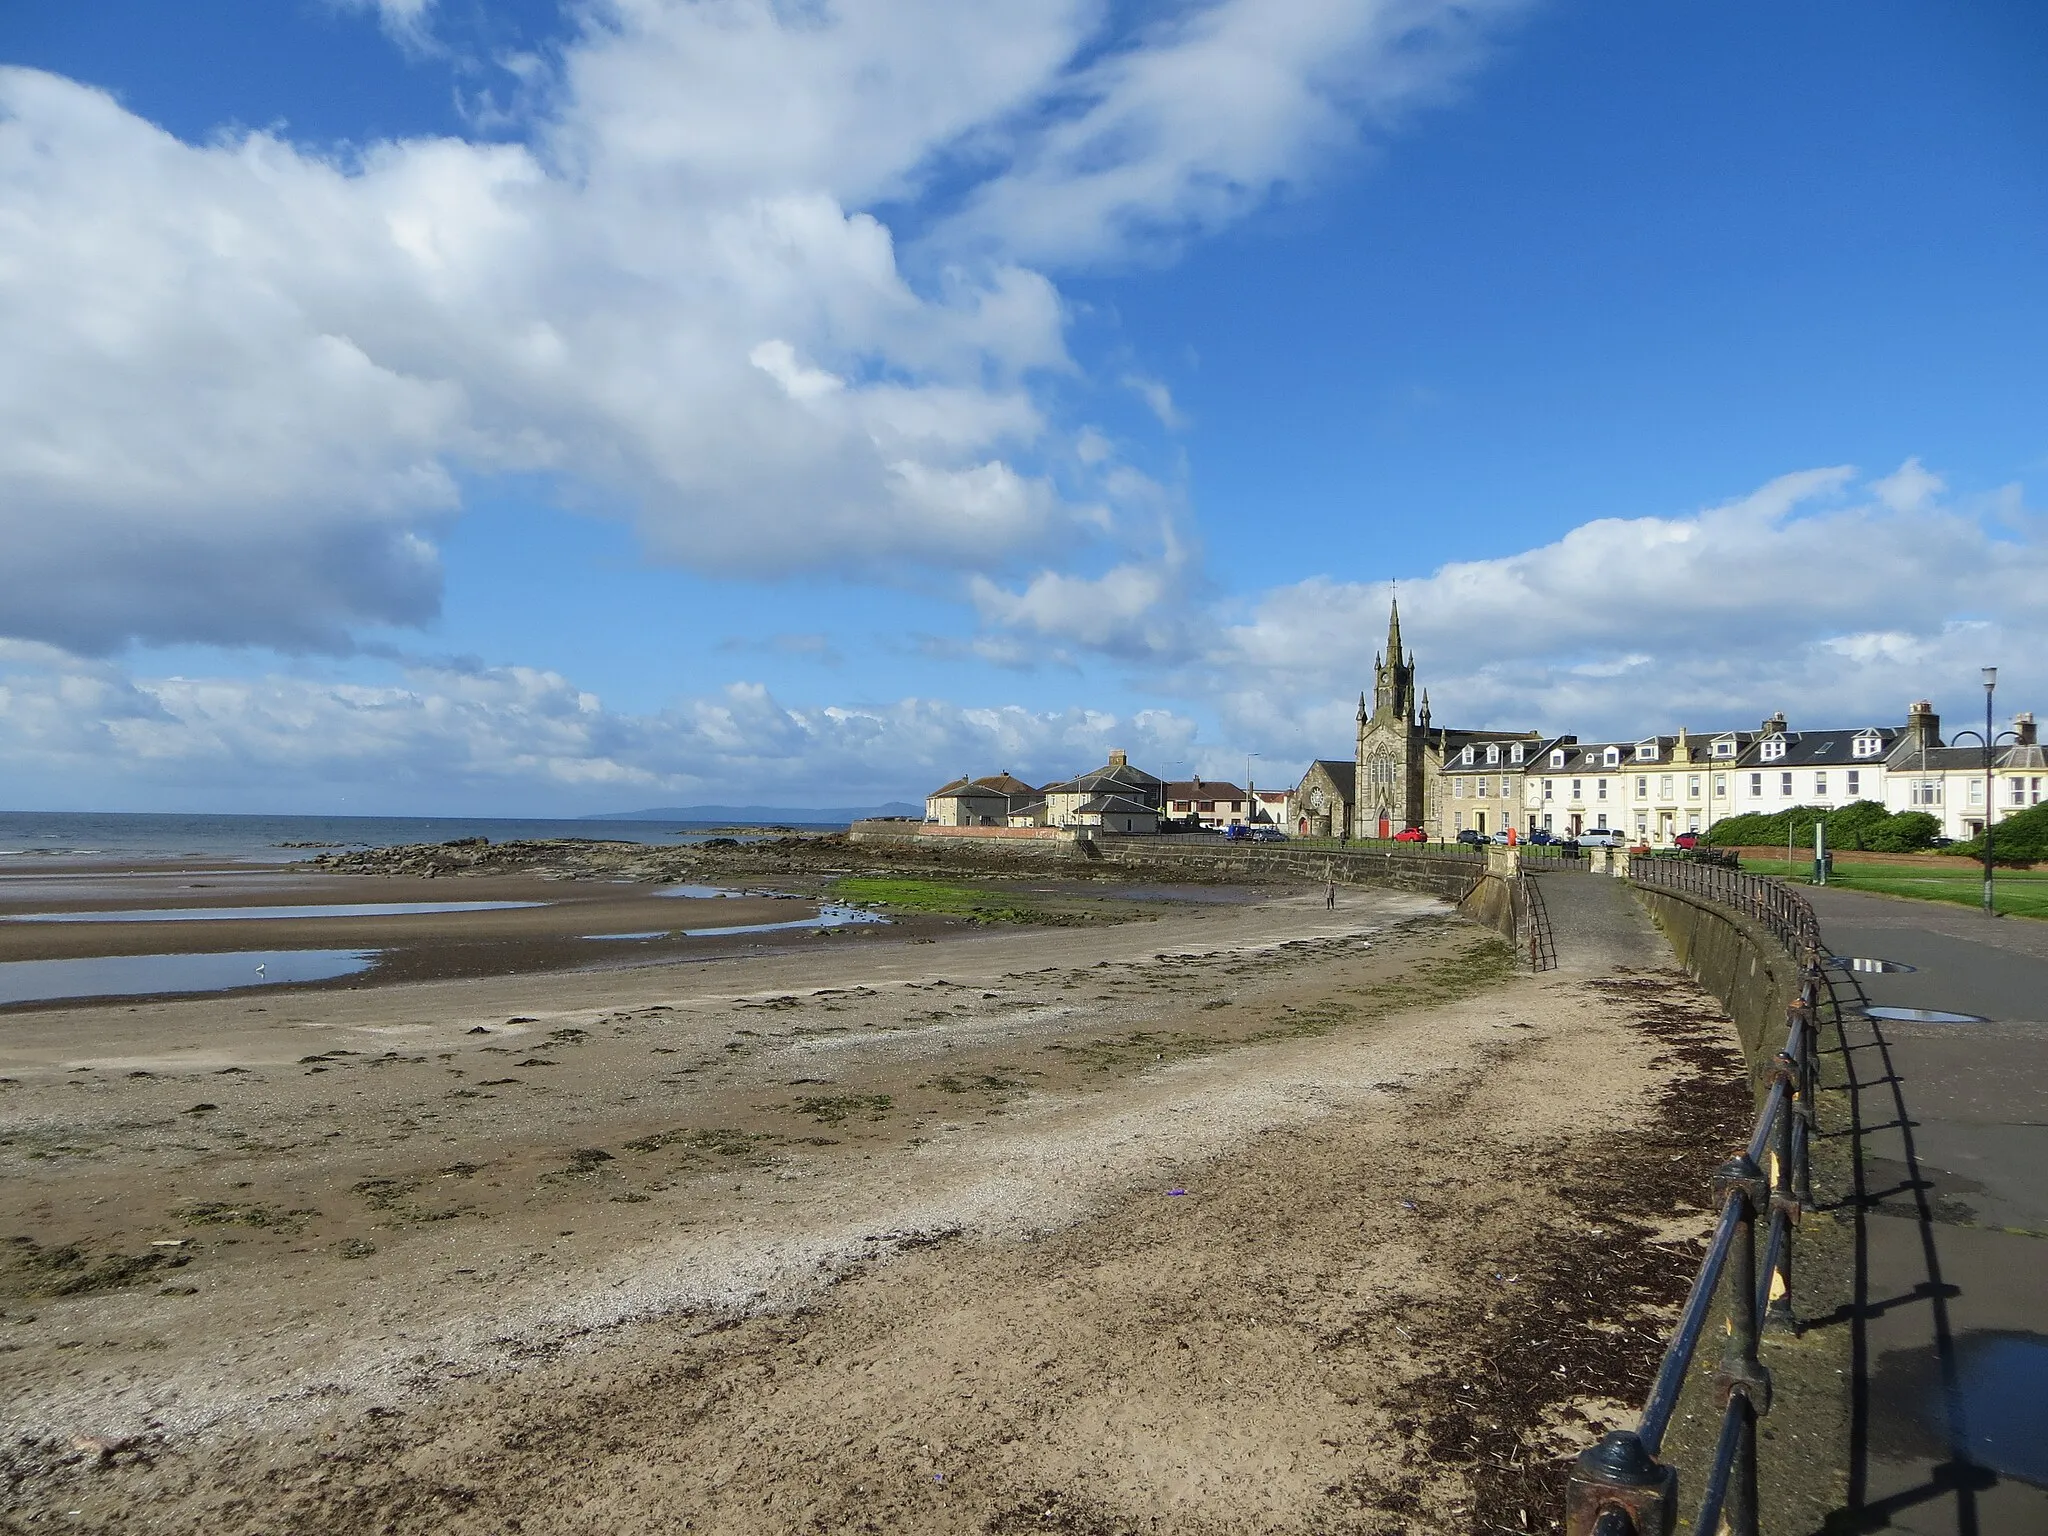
(2020, 839)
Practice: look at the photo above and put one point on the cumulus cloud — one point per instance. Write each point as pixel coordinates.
(1835, 604)
(507, 739)
(244, 380)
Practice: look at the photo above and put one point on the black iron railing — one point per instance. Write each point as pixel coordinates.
(1770, 902)
(1619, 1487)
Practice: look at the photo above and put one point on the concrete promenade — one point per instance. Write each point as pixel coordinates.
(1949, 1412)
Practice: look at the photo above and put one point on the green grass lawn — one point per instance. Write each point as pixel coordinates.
(976, 903)
(2019, 892)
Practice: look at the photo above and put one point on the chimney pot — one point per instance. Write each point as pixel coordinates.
(2024, 727)
(1118, 758)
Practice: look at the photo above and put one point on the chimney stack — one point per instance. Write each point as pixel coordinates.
(1775, 723)
(1923, 725)
(1118, 758)
(2023, 727)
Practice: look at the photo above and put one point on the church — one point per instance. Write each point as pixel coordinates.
(1394, 780)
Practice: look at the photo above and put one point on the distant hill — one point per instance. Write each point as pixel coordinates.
(764, 815)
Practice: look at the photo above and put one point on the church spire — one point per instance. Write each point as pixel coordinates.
(1394, 651)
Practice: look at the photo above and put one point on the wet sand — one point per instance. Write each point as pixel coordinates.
(1143, 1226)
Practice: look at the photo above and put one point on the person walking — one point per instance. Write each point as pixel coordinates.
(1330, 894)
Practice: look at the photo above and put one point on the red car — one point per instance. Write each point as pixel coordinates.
(1686, 840)
(1411, 835)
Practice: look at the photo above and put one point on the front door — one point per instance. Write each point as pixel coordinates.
(1479, 821)
(1386, 826)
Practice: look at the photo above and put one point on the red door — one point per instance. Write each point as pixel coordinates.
(1386, 826)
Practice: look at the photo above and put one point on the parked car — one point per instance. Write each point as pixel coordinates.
(1687, 841)
(1472, 837)
(1542, 838)
(1502, 837)
(1604, 837)
(1268, 835)
(1411, 835)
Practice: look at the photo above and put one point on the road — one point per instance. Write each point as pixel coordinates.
(1950, 1381)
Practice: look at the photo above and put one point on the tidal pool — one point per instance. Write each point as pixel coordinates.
(831, 915)
(41, 981)
(253, 914)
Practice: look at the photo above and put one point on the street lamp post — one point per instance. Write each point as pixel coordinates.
(1989, 741)
(1990, 787)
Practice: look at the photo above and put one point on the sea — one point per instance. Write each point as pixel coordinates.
(125, 836)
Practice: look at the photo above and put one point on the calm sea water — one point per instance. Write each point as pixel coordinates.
(80, 835)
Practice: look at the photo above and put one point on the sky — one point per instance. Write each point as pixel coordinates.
(460, 407)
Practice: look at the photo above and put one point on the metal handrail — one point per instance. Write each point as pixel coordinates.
(1618, 1487)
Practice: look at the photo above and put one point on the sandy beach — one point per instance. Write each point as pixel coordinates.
(1220, 1217)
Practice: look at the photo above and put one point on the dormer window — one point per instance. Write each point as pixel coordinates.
(1514, 754)
(1557, 758)
(1646, 751)
(1725, 747)
(1869, 745)
(1493, 751)
(1467, 757)
(1611, 757)
(1772, 749)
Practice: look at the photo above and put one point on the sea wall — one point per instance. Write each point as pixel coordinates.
(1738, 961)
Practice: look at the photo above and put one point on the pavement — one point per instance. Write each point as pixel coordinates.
(1949, 1120)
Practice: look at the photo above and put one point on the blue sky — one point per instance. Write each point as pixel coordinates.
(514, 408)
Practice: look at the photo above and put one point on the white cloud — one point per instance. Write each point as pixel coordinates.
(506, 740)
(1210, 111)
(243, 380)
(1804, 596)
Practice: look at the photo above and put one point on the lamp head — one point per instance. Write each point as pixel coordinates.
(1990, 678)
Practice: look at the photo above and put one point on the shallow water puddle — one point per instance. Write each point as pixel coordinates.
(697, 892)
(36, 981)
(253, 914)
(652, 933)
(1922, 1015)
(831, 915)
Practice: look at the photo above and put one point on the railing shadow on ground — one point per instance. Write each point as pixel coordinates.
(1618, 1487)
(1958, 1476)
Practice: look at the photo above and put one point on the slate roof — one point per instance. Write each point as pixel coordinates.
(1203, 789)
(1344, 774)
(1115, 805)
(1823, 749)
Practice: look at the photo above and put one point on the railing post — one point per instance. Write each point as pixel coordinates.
(1741, 1374)
(1784, 1186)
(1616, 1476)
